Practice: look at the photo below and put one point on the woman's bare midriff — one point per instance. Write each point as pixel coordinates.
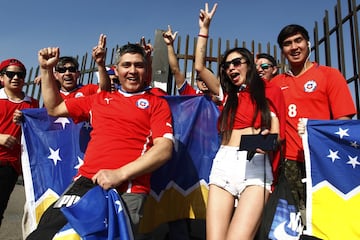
(236, 135)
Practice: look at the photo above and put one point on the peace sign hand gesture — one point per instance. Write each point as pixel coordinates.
(206, 16)
(99, 51)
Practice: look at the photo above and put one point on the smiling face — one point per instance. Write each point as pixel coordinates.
(12, 78)
(131, 71)
(236, 68)
(295, 48)
(67, 75)
(265, 68)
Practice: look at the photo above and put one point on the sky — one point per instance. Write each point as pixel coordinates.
(75, 25)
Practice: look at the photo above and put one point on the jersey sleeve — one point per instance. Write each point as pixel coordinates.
(79, 108)
(161, 120)
(277, 105)
(186, 89)
(341, 102)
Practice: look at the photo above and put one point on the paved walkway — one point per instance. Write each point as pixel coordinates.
(11, 225)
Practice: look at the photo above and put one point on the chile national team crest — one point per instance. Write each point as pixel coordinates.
(310, 86)
(142, 103)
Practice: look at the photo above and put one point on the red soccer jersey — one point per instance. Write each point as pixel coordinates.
(319, 93)
(7, 126)
(80, 91)
(186, 89)
(124, 127)
(277, 103)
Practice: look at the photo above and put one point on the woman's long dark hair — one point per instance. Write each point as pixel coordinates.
(256, 87)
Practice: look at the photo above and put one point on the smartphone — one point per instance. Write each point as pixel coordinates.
(264, 142)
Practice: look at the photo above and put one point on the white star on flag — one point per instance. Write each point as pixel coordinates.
(63, 121)
(54, 155)
(354, 144)
(81, 162)
(333, 155)
(342, 132)
(118, 203)
(353, 161)
(87, 125)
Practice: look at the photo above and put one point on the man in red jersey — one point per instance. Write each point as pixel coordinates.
(310, 91)
(132, 134)
(12, 100)
(67, 73)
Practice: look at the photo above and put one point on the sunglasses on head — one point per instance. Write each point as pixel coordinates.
(236, 62)
(11, 74)
(265, 66)
(64, 69)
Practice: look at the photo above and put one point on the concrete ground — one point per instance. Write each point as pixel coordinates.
(11, 225)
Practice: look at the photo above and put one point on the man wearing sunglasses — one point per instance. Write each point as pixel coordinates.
(12, 100)
(67, 73)
(266, 66)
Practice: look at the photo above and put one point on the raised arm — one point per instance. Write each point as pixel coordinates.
(55, 105)
(212, 82)
(98, 54)
(148, 51)
(169, 38)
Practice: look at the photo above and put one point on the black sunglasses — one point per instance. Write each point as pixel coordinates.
(265, 66)
(64, 69)
(11, 74)
(115, 80)
(236, 62)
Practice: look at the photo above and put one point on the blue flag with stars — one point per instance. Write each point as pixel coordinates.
(99, 215)
(53, 151)
(332, 159)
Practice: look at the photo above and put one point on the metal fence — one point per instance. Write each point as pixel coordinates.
(337, 46)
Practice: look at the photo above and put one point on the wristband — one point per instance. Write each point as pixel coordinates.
(203, 35)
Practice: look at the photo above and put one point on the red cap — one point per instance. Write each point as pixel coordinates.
(11, 62)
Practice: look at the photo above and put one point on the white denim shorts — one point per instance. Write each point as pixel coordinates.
(233, 172)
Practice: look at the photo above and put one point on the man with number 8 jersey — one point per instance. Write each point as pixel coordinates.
(310, 91)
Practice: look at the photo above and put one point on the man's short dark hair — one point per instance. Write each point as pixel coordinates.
(268, 57)
(67, 59)
(130, 48)
(291, 30)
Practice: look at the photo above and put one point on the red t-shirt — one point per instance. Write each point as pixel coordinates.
(80, 91)
(319, 93)
(276, 101)
(246, 110)
(7, 126)
(124, 127)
